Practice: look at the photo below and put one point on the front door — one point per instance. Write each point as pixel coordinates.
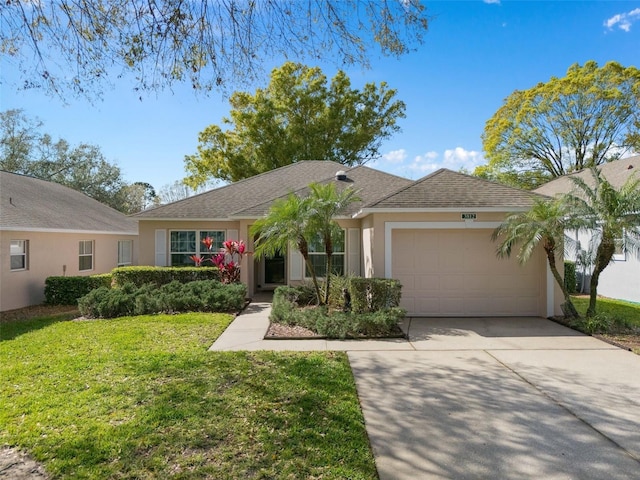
(274, 270)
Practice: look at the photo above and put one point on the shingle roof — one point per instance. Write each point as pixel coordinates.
(31, 203)
(447, 189)
(616, 173)
(253, 196)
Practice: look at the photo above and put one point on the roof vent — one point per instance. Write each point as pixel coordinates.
(341, 175)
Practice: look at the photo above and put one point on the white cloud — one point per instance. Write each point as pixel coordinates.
(395, 156)
(460, 158)
(398, 163)
(495, 2)
(623, 20)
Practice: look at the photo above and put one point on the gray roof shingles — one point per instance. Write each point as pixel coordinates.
(252, 197)
(616, 172)
(447, 189)
(31, 203)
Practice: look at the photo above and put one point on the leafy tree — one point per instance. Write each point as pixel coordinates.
(296, 117)
(611, 215)
(178, 190)
(26, 150)
(589, 117)
(545, 222)
(325, 203)
(138, 197)
(286, 223)
(76, 46)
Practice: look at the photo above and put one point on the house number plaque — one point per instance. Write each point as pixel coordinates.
(468, 216)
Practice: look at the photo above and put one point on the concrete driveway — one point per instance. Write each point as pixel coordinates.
(503, 398)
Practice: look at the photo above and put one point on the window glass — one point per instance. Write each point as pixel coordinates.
(85, 249)
(318, 257)
(18, 252)
(124, 252)
(187, 243)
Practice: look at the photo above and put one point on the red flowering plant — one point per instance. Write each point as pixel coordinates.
(228, 259)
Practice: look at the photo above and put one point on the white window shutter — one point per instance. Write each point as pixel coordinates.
(232, 235)
(161, 248)
(353, 248)
(296, 264)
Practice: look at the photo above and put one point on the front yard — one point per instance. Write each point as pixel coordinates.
(626, 313)
(141, 397)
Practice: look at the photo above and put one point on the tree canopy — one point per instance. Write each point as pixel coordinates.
(586, 118)
(298, 116)
(25, 149)
(66, 46)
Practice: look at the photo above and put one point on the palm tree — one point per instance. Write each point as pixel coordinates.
(612, 216)
(286, 222)
(545, 222)
(325, 203)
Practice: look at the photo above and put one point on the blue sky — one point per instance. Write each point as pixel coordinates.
(475, 54)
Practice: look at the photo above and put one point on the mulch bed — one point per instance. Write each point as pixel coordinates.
(278, 331)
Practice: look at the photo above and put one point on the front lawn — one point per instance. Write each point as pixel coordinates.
(624, 329)
(141, 397)
(626, 311)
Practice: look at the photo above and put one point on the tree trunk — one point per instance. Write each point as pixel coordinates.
(304, 251)
(605, 252)
(328, 248)
(568, 308)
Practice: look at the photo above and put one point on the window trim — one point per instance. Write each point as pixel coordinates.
(121, 263)
(200, 249)
(24, 255)
(82, 254)
(333, 256)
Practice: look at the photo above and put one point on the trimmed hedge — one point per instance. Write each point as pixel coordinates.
(570, 278)
(373, 294)
(288, 309)
(174, 297)
(67, 290)
(158, 276)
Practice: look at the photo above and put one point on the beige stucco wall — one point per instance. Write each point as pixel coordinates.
(52, 253)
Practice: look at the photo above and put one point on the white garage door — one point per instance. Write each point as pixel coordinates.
(457, 273)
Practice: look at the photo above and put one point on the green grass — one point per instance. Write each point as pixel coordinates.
(141, 397)
(628, 312)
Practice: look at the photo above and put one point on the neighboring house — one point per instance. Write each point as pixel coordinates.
(48, 229)
(432, 234)
(621, 279)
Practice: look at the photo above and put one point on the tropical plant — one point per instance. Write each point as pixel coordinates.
(286, 223)
(544, 223)
(325, 203)
(611, 215)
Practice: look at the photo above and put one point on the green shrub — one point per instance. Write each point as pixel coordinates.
(174, 297)
(340, 292)
(330, 322)
(599, 323)
(373, 294)
(67, 290)
(570, 279)
(354, 325)
(163, 275)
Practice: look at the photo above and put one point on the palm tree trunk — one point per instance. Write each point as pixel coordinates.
(328, 248)
(605, 252)
(568, 308)
(303, 247)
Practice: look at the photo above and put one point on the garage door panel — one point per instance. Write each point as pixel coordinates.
(456, 273)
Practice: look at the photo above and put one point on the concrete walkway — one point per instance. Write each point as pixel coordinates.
(506, 398)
